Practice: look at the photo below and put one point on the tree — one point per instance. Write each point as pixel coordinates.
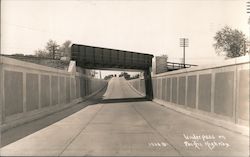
(230, 42)
(65, 50)
(41, 53)
(108, 77)
(164, 56)
(55, 51)
(52, 48)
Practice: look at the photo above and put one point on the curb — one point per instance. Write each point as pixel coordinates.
(244, 130)
(46, 112)
(138, 92)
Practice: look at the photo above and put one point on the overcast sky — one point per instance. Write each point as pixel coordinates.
(147, 26)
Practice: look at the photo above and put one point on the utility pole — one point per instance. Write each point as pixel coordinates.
(184, 44)
(248, 7)
(248, 12)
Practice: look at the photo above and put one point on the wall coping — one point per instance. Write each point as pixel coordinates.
(226, 63)
(33, 66)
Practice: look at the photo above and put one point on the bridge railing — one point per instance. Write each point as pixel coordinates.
(29, 91)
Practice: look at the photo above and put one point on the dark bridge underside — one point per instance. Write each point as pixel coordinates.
(103, 58)
(91, 57)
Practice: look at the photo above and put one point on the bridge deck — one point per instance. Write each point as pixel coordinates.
(129, 128)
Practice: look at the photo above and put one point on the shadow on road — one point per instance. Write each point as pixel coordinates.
(120, 100)
(16, 133)
(26, 129)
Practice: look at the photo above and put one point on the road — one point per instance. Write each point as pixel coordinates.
(129, 129)
(118, 89)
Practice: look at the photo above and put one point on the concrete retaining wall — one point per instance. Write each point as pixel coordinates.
(29, 91)
(218, 91)
(138, 85)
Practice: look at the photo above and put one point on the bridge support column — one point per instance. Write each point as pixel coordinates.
(148, 84)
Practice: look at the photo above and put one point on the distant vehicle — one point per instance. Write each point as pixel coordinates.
(125, 75)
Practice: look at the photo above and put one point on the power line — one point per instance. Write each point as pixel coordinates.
(34, 29)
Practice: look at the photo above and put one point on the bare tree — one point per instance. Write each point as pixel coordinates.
(52, 48)
(41, 53)
(65, 50)
(55, 51)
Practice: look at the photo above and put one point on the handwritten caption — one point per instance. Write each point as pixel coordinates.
(205, 140)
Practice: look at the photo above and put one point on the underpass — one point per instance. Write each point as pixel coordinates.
(118, 89)
(138, 128)
(201, 111)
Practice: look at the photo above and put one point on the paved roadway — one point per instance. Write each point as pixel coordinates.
(118, 89)
(129, 129)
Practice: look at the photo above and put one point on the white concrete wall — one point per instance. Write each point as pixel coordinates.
(138, 84)
(29, 91)
(220, 91)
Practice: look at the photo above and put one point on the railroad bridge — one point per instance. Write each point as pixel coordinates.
(111, 59)
(53, 112)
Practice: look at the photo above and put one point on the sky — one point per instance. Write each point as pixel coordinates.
(146, 26)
